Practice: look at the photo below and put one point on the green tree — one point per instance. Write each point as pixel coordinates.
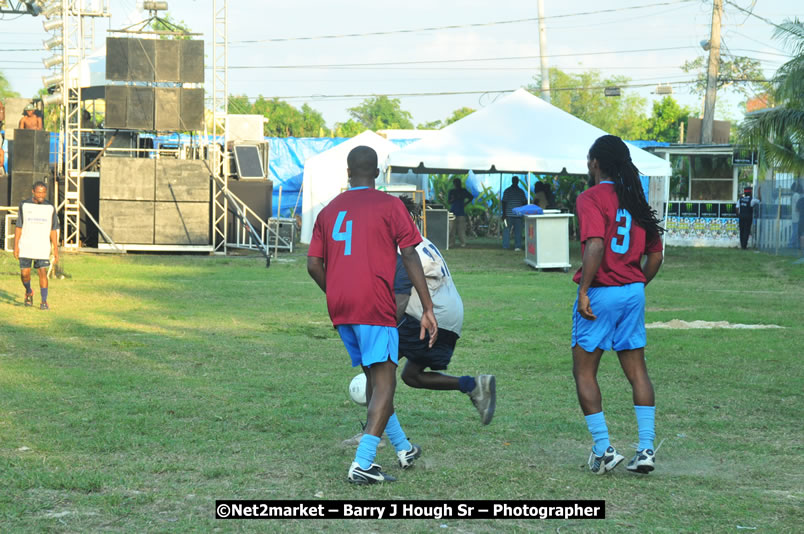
(165, 23)
(582, 95)
(381, 113)
(778, 132)
(740, 74)
(5, 88)
(665, 122)
(458, 114)
(349, 128)
(284, 120)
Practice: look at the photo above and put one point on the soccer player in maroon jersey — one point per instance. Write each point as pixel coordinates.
(618, 228)
(352, 258)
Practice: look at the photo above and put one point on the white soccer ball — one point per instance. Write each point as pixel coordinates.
(357, 389)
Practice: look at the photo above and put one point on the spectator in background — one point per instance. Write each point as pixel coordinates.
(745, 213)
(797, 238)
(458, 199)
(542, 195)
(30, 121)
(513, 197)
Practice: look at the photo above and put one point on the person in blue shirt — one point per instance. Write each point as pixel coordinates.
(458, 199)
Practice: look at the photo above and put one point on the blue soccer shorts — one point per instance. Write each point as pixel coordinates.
(370, 344)
(620, 323)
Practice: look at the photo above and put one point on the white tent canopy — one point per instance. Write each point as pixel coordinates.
(325, 176)
(519, 133)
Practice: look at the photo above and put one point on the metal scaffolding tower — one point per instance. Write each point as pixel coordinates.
(220, 126)
(77, 42)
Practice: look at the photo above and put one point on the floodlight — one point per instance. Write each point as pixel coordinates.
(52, 9)
(611, 91)
(55, 98)
(705, 44)
(53, 42)
(50, 25)
(55, 79)
(664, 89)
(34, 8)
(155, 6)
(52, 61)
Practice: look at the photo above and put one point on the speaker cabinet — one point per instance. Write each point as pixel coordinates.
(182, 181)
(438, 228)
(22, 185)
(117, 59)
(30, 151)
(116, 104)
(140, 108)
(166, 116)
(127, 221)
(167, 60)
(127, 178)
(141, 60)
(191, 116)
(192, 61)
(181, 223)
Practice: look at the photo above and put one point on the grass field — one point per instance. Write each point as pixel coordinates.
(157, 384)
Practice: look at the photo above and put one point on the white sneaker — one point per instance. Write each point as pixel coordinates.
(644, 462)
(600, 465)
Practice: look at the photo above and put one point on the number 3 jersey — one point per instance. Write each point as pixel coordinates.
(357, 235)
(624, 241)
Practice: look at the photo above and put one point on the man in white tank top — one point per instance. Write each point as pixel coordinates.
(37, 230)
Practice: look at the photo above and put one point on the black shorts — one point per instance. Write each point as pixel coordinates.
(25, 263)
(416, 350)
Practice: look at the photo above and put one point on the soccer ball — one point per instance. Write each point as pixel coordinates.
(357, 389)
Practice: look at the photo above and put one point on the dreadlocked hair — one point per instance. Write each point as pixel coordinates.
(614, 159)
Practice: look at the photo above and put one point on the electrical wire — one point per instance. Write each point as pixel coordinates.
(455, 26)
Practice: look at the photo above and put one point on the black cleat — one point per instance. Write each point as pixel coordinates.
(372, 475)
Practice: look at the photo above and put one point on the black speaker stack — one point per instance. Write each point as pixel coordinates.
(155, 201)
(138, 107)
(29, 163)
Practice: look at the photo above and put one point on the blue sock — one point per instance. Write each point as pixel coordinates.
(43, 292)
(646, 422)
(28, 289)
(466, 384)
(596, 423)
(367, 450)
(396, 435)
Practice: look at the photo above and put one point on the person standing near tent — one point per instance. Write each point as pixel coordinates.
(618, 228)
(745, 213)
(37, 230)
(458, 199)
(513, 197)
(352, 258)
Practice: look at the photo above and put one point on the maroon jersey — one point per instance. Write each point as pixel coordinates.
(357, 235)
(624, 241)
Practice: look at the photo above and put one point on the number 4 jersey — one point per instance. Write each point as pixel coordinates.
(624, 241)
(357, 235)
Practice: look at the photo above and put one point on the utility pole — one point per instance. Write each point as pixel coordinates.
(711, 74)
(543, 54)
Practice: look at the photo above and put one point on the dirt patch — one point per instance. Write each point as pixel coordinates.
(678, 324)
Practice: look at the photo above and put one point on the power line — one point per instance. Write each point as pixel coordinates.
(751, 13)
(456, 26)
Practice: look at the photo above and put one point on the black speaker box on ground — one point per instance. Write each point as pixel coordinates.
(181, 223)
(191, 116)
(117, 59)
(126, 221)
(438, 228)
(168, 60)
(192, 61)
(141, 60)
(258, 196)
(30, 151)
(5, 185)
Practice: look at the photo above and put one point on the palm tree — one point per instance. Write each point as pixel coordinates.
(778, 132)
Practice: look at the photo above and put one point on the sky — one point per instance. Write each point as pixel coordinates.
(436, 56)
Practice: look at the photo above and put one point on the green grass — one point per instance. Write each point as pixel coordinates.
(157, 384)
